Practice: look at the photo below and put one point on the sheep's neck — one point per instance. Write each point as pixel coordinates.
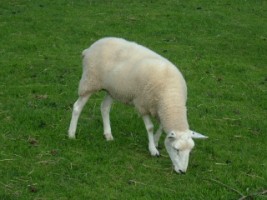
(173, 114)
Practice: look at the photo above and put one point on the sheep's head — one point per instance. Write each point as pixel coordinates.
(179, 145)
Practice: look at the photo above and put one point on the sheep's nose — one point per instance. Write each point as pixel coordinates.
(181, 171)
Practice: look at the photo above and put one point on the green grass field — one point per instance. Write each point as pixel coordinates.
(219, 46)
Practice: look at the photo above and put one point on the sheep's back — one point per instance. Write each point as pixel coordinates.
(128, 71)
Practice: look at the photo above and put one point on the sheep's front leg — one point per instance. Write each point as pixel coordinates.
(77, 109)
(149, 127)
(105, 109)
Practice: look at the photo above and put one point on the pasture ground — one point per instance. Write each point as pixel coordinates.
(220, 47)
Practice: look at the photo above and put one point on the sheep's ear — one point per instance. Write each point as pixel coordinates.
(198, 135)
(171, 135)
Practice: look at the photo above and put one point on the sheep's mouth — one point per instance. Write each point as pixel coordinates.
(179, 171)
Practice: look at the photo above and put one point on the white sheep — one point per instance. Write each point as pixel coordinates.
(133, 74)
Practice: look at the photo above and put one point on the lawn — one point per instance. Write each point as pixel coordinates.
(219, 46)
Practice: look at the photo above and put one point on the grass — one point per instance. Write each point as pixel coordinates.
(220, 47)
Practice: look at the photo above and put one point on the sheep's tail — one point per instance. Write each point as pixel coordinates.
(84, 55)
(84, 52)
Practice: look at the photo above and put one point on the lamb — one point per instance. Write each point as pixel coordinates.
(135, 75)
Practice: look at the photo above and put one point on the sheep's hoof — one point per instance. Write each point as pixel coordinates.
(72, 136)
(108, 137)
(154, 152)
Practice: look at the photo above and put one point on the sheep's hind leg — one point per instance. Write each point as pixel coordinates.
(105, 109)
(157, 135)
(149, 127)
(77, 109)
